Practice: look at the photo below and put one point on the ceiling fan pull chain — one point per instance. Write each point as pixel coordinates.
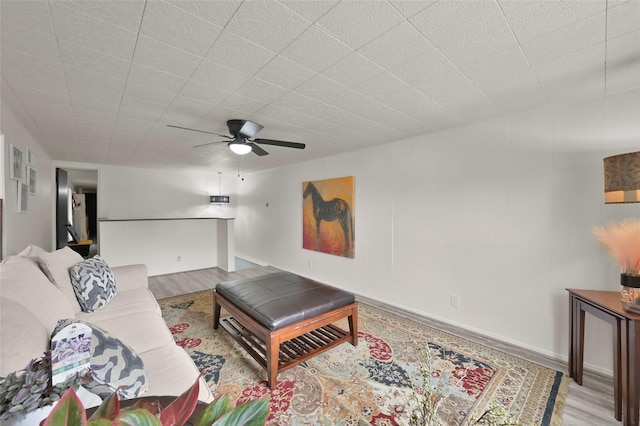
(240, 168)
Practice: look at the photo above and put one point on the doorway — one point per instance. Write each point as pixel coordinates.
(77, 204)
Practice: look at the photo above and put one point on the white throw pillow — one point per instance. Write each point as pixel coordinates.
(56, 266)
(32, 251)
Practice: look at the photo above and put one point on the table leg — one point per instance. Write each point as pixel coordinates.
(579, 359)
(617, 368)
(624, 362)
(273, 357)
(573, 335)
(353, 327)
(216, 312)
(633, 373)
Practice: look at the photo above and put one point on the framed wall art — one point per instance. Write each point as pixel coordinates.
(31, 179)
(16, 168)
(328, 214)
(23, 196)
(30, 157)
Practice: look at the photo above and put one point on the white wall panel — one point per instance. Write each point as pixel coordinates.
(498, 212)
(133, 193)
(35, 225)
(165, 246)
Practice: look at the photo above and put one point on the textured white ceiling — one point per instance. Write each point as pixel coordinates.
(98, 81)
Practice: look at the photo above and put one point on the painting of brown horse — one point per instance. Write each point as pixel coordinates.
(328, 216)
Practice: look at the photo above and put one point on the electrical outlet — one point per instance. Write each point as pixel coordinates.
(455, 300)
(179, 258)
(310, 264)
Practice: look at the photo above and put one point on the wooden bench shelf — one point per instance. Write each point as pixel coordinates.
(292, 352)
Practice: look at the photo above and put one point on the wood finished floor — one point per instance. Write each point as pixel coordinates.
(587, 405)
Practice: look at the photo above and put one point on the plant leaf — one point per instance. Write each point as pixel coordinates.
(68, 411)
(100, 422)
(253, 413)
(139, 417)
(109, 408)
(214, 411)
(182, 407)
(152, 407)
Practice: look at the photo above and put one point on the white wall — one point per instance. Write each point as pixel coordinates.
(499, 213)
(35, 225)
(165, 246)
(134, 193)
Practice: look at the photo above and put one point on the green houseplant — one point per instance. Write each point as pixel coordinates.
(25, 391)
(69, 411)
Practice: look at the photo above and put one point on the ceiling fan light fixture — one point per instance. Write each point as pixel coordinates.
(240, 148)
(240, 141)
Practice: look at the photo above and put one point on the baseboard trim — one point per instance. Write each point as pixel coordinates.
(511, 349)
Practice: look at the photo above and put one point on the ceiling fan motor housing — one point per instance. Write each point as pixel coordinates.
(243, 128)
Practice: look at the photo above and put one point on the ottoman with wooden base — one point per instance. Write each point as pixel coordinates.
(283, 319)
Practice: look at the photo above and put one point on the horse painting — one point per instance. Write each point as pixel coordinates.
(336, 210)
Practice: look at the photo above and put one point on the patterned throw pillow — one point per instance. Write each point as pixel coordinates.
(114, 365)
(93, 283)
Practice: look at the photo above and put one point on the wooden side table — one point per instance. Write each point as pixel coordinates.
(606, 305)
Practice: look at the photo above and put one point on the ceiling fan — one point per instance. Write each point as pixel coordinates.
(240, 140)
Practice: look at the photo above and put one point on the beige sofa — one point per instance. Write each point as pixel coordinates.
(32, 302)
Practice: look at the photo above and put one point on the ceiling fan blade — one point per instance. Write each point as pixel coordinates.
(201, 131)
(250, 129)
(243, 128)
(257, 150)
(286, 144)
(208, 143)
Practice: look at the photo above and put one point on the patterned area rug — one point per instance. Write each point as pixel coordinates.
(370, 383)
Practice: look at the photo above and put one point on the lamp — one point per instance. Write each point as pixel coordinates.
(622, 178)
(219, 199)
(240, 146)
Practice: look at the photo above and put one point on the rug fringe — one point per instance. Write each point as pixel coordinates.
(561, 399)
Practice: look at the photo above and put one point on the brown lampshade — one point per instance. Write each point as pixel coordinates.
(622, 178)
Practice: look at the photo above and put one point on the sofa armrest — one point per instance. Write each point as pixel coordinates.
(129, 277)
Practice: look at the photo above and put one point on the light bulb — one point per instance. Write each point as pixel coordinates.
(240, 148)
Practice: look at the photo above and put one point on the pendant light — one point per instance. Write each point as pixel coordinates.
(622, 178)
(622, 171)
(219, 199)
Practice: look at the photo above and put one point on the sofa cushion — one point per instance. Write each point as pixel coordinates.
(131, 277)
(114, 365)
(56, 266)
(21, 279)
(24, 337)
(141, 331)
(93, 283)
(173, 373)
(124, 303)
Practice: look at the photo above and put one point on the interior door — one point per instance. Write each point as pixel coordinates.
(62, 212)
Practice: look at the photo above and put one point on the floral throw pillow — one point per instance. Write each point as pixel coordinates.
(114, 365)
(93, 283)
